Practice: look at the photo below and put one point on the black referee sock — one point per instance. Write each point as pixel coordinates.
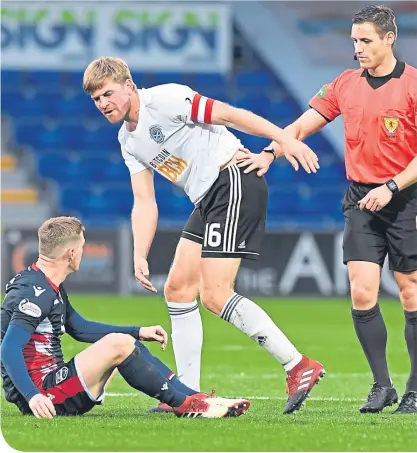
(372, 334)
(144, 376)
(411, 339)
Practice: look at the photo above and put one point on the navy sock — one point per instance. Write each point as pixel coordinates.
(143, 375)
(164, 370)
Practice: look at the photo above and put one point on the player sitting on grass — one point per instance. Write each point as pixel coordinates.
(35, 314)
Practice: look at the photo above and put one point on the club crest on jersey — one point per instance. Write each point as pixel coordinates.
(157, 135)
(61, 375)
(391, 124)
(29, 308)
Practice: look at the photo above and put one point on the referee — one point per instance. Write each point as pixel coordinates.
(378, 103)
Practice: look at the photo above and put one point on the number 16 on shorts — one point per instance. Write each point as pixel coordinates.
(212, 235)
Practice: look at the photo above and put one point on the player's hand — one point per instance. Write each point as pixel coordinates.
(42, 406)
(254, 161)
(142, 274)
(297, 152)
(154, 333)
(376, 199)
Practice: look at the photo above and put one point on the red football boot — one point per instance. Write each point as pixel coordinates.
(301, 379)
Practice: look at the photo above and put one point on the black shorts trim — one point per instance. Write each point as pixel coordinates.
(192, 237)
(215, 254)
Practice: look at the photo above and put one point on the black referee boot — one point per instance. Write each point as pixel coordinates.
(408, 404)
(379, 397)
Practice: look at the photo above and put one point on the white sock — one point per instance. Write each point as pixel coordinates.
(187, 341)
(256, 324)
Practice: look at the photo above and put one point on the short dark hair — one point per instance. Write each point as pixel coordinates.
(381, 16)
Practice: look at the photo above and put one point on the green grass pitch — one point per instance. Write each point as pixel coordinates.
(235, 366)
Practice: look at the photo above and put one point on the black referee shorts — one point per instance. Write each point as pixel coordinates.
(370, 236)
(229, 221)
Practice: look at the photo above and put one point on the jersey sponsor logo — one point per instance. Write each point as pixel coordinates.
(391, 124)
(173, 168)
(29, 308)
(61, 375)
(322, 92)
(38, 290)
(156, 133)
(169, 165)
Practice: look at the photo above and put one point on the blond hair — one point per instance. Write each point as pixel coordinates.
(105, 68)
(56, 232)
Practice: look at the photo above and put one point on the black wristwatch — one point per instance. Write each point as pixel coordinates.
(271, 151)
(392, 186)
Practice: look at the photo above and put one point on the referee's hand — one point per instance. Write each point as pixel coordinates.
(376, 199)
(42, 406)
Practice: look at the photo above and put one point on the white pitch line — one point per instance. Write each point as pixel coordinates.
(277, 398)
(330, 375)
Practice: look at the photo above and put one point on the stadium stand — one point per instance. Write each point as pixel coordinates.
(74, 146)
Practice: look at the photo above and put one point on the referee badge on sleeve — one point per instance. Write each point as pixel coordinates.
(391, 124)
(322, 92)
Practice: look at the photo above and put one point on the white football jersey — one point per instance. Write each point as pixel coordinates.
(175, 138)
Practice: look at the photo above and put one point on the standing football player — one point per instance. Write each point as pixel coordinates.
(378, 103)
(182, 135)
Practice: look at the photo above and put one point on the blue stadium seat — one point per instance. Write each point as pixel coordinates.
(43, 138)
(77, 106)
(282, 200)
(11, 81)
(161, 78)
(254, 79)
(44, 80)
(201, 80)
(73, 80)
(258, 103)
(20, 106)
(115, 169)
(120, 200)
(103, 138)
(286, 111)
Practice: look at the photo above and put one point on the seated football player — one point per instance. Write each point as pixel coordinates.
(35, 314)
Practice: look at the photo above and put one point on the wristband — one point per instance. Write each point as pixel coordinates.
(392, 186)
(270, 151)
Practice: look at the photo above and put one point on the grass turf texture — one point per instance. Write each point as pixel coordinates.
(235, 366)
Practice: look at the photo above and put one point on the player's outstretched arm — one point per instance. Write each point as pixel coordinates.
(87, 331)
(307, 124)
(245, 121)
(144, 222)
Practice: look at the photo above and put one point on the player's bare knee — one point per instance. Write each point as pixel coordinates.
(120, 346)
(363, 296)
(179, 290)
(408, 296)
(213, 300)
